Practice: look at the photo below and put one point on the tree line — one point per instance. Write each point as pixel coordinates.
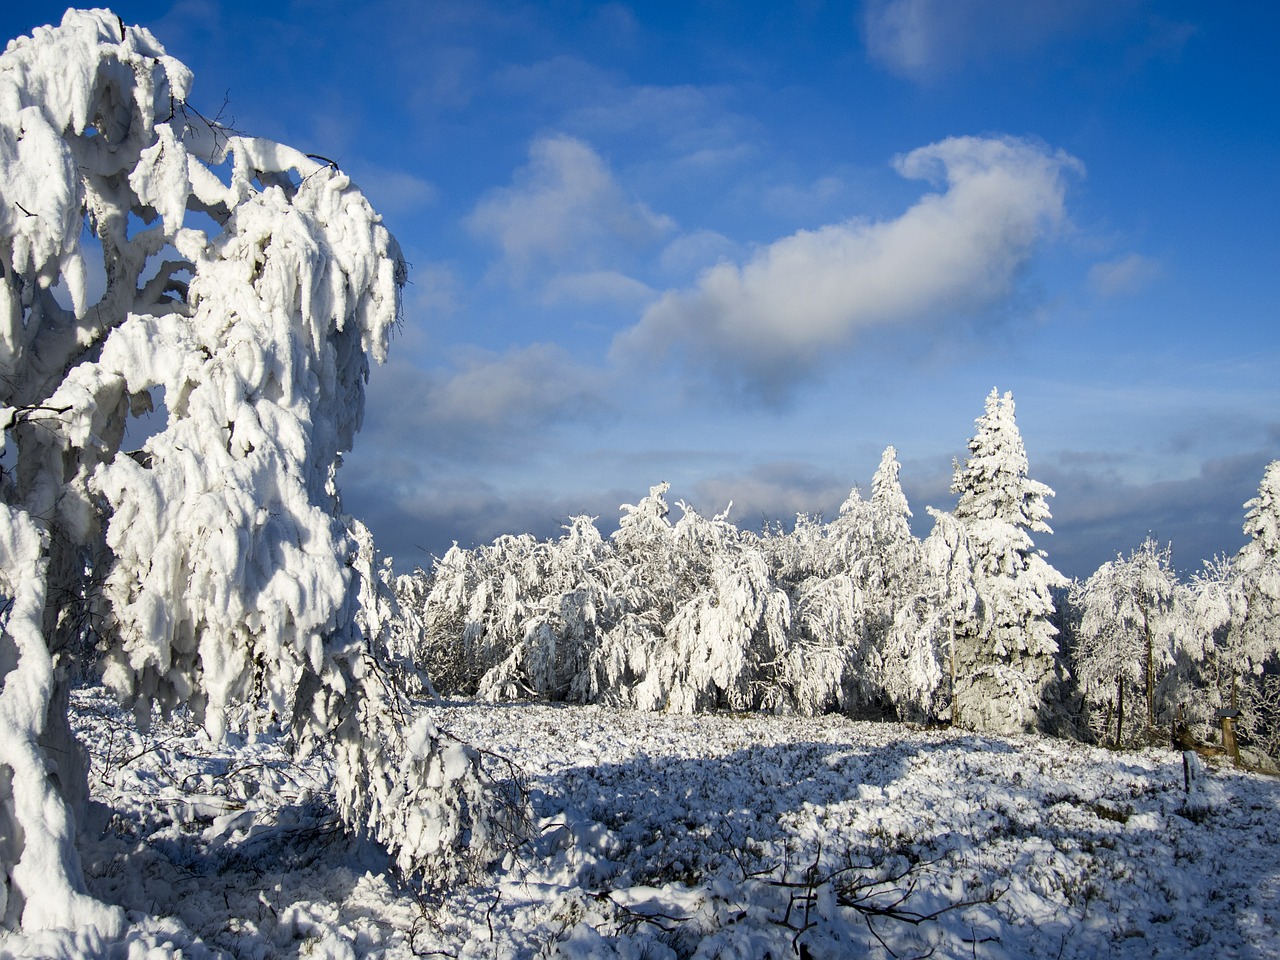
(969, 625)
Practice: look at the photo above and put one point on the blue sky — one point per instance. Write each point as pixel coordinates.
(741, 248)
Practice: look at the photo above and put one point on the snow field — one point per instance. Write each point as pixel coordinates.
(659, 836)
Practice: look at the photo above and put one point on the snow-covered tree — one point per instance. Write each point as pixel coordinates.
(247, 287)
(1257, 573)
(953, 599)
(1131, 628)
(722, 647)
(833, 616)
(1238, 611)
(1005, 668)
(563, 625)
(908, 641)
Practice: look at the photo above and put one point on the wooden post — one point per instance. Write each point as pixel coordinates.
(1229, 739)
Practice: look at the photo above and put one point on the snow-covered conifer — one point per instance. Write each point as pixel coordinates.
(876, 590)
(1005, 668)
(1257, 570)
(910, 651)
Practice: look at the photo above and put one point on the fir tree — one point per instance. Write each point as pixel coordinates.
(1005, 667)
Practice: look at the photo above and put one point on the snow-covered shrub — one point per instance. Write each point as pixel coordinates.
(247, 287)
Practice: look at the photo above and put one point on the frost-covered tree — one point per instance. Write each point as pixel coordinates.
(863, 617)
(832, 623)
(1004, 669)
(952, 606)
(1238, 611)
(723, 647)
(1131, 628)
(1257, 575)
(477, 607)
(908, 641)
(564, 624)
(247, 287)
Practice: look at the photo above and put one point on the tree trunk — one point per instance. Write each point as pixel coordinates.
(954, 716)
(1119, 708)
(1151, 670)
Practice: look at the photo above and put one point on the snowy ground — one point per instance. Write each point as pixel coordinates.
(712, 836)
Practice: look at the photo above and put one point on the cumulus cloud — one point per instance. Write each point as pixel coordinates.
(957, 252)
(564, 210)
(1127, 274)
(925, 40)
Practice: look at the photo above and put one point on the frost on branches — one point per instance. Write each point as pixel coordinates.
(1004, 667)
(246, 288)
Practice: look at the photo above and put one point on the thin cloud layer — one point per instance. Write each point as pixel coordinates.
(956, 253)
(486, 406)
(925, 40)
(1106, 515)
(1126, 274)
(564, 211)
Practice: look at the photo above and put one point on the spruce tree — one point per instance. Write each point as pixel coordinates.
(1004, 665)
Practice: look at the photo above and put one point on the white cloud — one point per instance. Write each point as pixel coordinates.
(536, 384)
(1123, 275)
(791, 200)
(926, 39)
(564, 210)
(778, 315)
